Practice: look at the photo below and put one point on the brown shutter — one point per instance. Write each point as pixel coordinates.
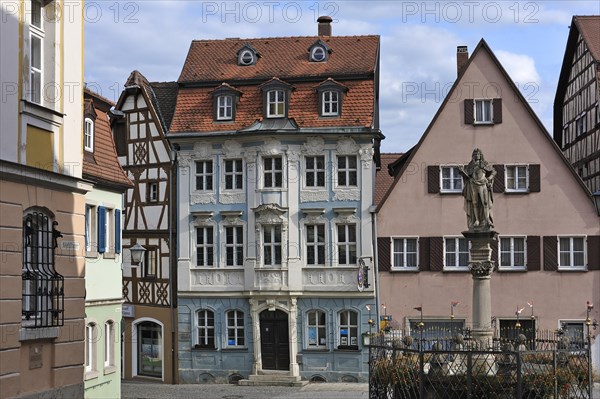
(436, 254)
(494, 247)
(533, 253)
(384, 253)
(550, 253)
(499, 179)
(433, 179)
(593, 244)
(497, 112)
(424, 259)
(469, 116)
(534, 178)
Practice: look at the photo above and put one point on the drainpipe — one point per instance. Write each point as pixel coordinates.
(372, 210)
(173, 256)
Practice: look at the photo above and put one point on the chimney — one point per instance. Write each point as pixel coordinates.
(462, 57)
(324, 25)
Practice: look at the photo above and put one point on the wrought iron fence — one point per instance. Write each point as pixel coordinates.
(542, 365)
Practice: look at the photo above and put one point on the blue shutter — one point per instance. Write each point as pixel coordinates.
(101, 229)
(117, 231)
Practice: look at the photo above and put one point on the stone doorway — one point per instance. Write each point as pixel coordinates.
(274, 340)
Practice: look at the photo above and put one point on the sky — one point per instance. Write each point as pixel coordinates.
(418, 44)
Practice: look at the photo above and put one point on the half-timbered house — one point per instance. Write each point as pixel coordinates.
(140, 121)
(577, 101)
(279, 142)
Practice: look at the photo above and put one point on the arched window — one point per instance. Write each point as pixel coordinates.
(91, 335)
(109, 344)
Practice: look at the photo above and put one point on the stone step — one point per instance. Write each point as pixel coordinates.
(273, 380)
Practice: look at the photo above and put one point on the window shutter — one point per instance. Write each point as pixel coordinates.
(533, 253)
(494, 247)
(534, 178)
(550, 253)
(436, 254)
(499, 179)
(101, 229)
(384, 252)
(469, 115)
(424, 261)
(497, 110)
(117, 231)
(593, 246)
(433, 179)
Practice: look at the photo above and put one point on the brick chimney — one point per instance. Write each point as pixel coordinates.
(462, 57)
(324, 25)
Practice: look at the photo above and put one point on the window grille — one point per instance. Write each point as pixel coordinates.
(43, 299)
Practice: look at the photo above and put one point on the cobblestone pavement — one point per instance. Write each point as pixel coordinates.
(223, 391)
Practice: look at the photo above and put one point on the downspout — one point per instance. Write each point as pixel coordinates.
(373, 209)
(173, 256)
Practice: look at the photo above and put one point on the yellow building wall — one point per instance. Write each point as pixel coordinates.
(39, 148)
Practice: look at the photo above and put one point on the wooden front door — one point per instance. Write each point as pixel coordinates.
(274, 340)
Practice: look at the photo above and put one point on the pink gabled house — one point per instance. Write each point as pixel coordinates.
(548, 249)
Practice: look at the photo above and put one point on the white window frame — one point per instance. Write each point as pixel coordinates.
(571, 252)
(273, 172)
(91, 335)
(88, 134)
(348, 171)
(234, 246)
(109, 344)
(244, 60)
(315, 245)
(517, 176)
(207, 246)
(91, 230)
(315, 171)
(352, 340)
(452, 179)
(150, 263)
(456, 253)
(315, 51)
(277, 102)
(346, 245)
(484, 118)
(273, 245)
(206, 176)
(512, 266)
(318, 328)
(239, 330)
(225, 107)
(328, 99)
(109, 232)
(235, 174)
(404, 253)
(207, 329)
(36, 32)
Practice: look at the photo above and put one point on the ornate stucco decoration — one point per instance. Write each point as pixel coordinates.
(232, 198)
(347, 146)
(202, 150)
(202, 218)
(231, 149)
(203, 199)
(314, 216)
(366, 156)
(314, 196)
(250, 159)
(231, 217)
(347, 194)
(270, 214)
(345, 215)
(293, 156)
(271, 147)
(184, 159)
(314, 146)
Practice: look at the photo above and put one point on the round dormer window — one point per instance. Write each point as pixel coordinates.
(247, 57)
(318, 54)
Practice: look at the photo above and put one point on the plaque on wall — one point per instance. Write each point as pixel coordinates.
(35, 356)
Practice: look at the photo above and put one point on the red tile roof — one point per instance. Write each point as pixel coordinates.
(103, 165)
(284, 57)
(383, 179)
(194, 112)
(589, 27)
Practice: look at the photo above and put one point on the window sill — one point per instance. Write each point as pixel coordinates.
(511, 269)
(348, 349)
(91, 254)
(90, 375)
(448, 192)
(516, 192)
(29, 333)
(483, 123)
(456, 269)
(274, 189)
(404, 269)
(234, 350)
(203, 349)
(110, 255)
(572, 269)
(318, 350)
(109, 370)
(42, 112)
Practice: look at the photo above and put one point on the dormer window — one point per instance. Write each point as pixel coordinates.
(276, 98)
(318, 52)
(330, 95)
(225, 98)
(247, 55)
(88, 134)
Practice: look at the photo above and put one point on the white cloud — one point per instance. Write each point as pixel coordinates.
(520, 67)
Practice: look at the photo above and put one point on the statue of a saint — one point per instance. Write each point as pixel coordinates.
(478, 183)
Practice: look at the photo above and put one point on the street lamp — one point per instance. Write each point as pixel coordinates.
(137, 253)
(596, 197)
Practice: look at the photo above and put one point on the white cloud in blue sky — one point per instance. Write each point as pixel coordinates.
(418, 44)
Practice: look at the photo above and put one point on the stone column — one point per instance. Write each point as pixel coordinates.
(481, 266)
(293, 334)
(255, 317)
